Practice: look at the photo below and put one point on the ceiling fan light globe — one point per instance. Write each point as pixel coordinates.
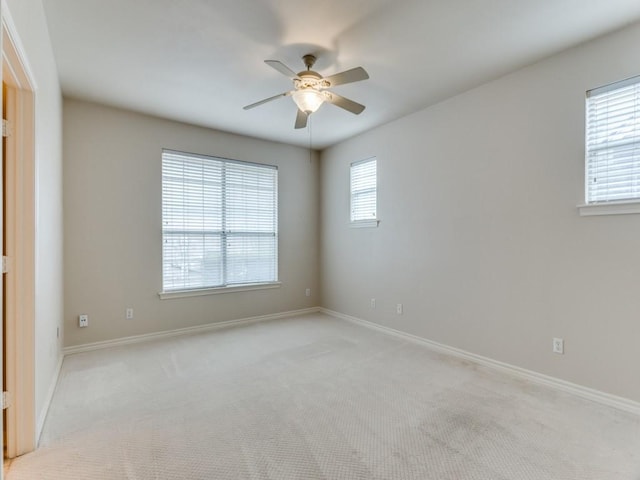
(308, 100)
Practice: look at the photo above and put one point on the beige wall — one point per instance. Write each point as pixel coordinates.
(480, 237)
(29, 20)
(112, 219)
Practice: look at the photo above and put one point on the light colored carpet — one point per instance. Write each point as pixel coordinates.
(316, 398)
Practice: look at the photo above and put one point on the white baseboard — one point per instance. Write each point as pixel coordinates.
(42, 415)
(183, 331)
(584, 392)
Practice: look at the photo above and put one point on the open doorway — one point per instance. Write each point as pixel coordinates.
(18, 228)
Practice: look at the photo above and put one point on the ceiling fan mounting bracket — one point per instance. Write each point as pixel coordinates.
(309, 60)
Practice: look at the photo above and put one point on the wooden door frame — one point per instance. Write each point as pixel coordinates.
(20, 221)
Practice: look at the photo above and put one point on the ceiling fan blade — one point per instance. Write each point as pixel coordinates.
(257, 104)
(301, 119)
(282, 68)
(348, 76)
(345, 103)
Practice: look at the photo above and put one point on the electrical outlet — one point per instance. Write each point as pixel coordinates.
(307, 292)
(373, 303)
(129, 313)
(83, 320)
(399, 309)
(558, 346)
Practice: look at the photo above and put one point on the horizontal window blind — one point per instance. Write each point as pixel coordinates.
(613, 142)
(220, 222)
(364, 190)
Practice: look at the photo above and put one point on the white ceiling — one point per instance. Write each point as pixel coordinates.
(201, 61)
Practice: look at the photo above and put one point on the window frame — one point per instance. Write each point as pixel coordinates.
(363, 222)
(607, 207)
(222, 213)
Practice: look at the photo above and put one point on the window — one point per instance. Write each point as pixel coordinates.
(219, 222)
(364, 193)
(613, 144)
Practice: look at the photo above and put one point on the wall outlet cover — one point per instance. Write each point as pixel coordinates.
(558, 345)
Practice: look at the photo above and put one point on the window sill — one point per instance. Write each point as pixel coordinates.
(365, 224)
(610, 208)
(217, 290)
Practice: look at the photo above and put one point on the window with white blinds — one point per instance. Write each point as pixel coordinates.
(219, 222)
(613, 143)
(364, 191)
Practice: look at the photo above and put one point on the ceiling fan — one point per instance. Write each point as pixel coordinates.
(310, 89)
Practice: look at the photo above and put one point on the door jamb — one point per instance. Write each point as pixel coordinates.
(20, 238)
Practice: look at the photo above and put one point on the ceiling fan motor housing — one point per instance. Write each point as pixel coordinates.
(308, 79)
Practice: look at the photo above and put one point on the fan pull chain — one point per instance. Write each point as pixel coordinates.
(310, 151)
